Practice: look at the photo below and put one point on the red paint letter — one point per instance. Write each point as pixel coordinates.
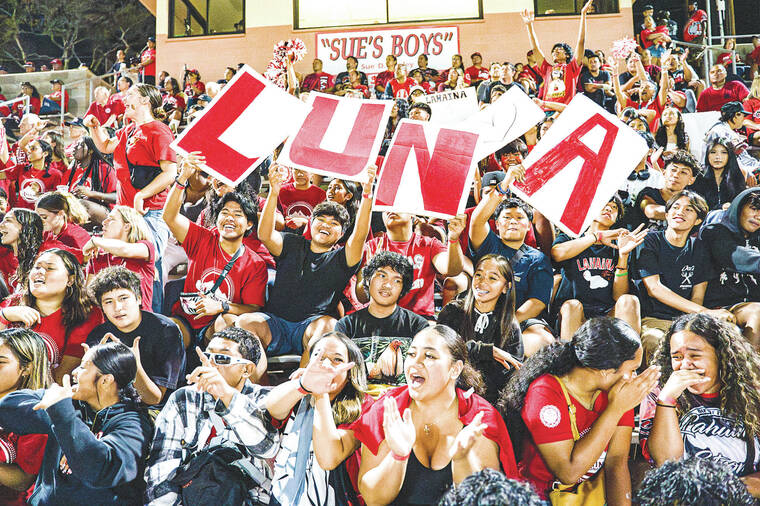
(378, 45)
(396, 49)
(305, 149)
(560, 156)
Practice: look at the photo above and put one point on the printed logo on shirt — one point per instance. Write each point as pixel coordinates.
(51, 347)
(556, 88)
(299, 208)
(550, 416)
(32, 189)
(595, 282)
(207, 280)
(687, 272)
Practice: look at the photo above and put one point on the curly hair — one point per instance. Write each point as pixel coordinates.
(248, 343)
(490, 487)
(695, 481)
(113, 278)
(28, 242)
(738, 368)
(600, 343)
(334, 210)
(683, 157)
(76, 304)
(395, 261)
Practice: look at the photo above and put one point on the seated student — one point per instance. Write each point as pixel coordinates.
(572, 405)
(532, 270)
(595, 272)
(427, 255)
(708, 400)
(98, 434)
(445, 434)
(311, 274)
(383, 329)
(153, 338)
(221, 395)
(30, 180)
(692, 481)
(490, 487)
(349, 195)
(721, 179)
(92, 179)
(62, 215)
(224, 277)
(318, 407)
(126, 241)
(680, 171)
(54, 303)
(672, 271)
(297, 200)
(734, 245)
(485, 319)
(23, 365)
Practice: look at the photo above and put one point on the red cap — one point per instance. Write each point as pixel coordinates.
(56, 61)
(476, 53)
(28, 64)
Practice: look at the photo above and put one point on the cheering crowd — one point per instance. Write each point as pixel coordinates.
(148, 309)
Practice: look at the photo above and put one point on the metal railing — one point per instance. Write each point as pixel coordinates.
(24, 98)
(87, 80)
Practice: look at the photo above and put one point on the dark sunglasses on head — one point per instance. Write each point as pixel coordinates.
(641, 176)
(222, 359)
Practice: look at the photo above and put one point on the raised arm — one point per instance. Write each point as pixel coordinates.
(358, 237)
(117, 247)
(662, 95)
(179, 224)
(529, 18)
(451, 263)
(581, 45)
(103, 141)
(479, 220)
(270, 237)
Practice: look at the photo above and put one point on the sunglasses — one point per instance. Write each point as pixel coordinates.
(641, 176)
(222, 359)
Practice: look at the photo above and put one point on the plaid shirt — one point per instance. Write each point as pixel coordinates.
(187, 412)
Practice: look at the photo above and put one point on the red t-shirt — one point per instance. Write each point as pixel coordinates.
(34, 102)
(29, 451)
(383, 78)
(149, 70)
(752, 105)
(420, 251)
(56, 97)
(560, 81)
(694, 28)
(712, 99)
(725, 59)
(29, 184)
(4, 110)
(477, 74)
(547, 418)
(252, 241)
(72, 235)
(116, 103)
(53, 332)
(107, 178)
(8, 265)
(320, 81)
(102, 112)
(195, 89)
(652, 105)
(244, 284)
(144, 269)
(175, 100)
(754, 56)
(146, 144)
(401, 90)
(292, 201)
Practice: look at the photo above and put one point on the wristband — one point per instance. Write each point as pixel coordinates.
(667, 400)
(665, 405)
(302, 389)
(499, 190)
(622, 273)
(366, 195)
(176, 181)
(401, 458)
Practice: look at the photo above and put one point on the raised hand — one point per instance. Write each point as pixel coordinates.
(628, 392)
(527, 16)
(587, 7)
(681, 380)
(371, 175)
(55, 393)
(207, 378)
(457, 225)
(608, 237)
(467, 437)
(321, 376)
(400, 433)
(628, 241)
(190, 164)
(514, 173)
(90, 121)
(506, 359)
(276, 179)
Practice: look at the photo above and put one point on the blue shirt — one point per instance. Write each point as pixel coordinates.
(532, 271)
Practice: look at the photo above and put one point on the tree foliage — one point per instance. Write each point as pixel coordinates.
(80, 32)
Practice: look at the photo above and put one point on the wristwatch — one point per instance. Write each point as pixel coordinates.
(225, 306)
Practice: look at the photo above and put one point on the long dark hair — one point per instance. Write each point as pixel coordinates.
(738, 368)
(600, 343)
(505, 305)
(469, 377)
(118, 360)
(682, 138)
(352, 206)
(93, 168)
(29, 242)
(76, 304)
(732, 174)
(47, 148)
(56, 142)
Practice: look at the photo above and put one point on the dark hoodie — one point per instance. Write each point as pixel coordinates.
(106, 451)
(735, 256)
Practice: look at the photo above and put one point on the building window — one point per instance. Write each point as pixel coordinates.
(320, 14)
(193, 18)
(573, 7)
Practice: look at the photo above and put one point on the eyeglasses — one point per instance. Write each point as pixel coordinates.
(222, 359)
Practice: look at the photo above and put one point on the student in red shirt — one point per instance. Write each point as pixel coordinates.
(399, 86)
(562, 71)
(174, 101)
(318, 80)
(59, 161)
(383, 78)
(216, 302)
(52, 103)
(573, 408)
(56, 306)
(23, 365)
(101, 107)
(29, 181)
(62, 215)
(695, 27)
(125, 241)
(298, 199)
(753, 58)
(144, 163)
(35, 102)
(720, 91)
(92, 179)
(477, 72)
(147, 66)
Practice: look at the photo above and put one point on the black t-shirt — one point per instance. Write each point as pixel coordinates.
(162, 352)
(680, 269)
(307, 283)
(656, 197)
(401, 323)
(603, 77)
(588, 278)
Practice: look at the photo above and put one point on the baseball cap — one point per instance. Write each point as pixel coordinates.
(56, 81)
(74, 122)
(476, 53)
(415, 88)
(28, 64)
(732, 108)
(152, 38)
(492, 178)
(56, 61)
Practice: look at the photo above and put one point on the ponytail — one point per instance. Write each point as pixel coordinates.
(128, 393)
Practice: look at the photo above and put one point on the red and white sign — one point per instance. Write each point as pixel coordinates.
(427, 170)
(452, 106)
(371, 47)
(579, 164)
(339, 137)
(242, 126)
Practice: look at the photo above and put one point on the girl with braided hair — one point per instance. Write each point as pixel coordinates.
(708, 404)
(92, 179)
